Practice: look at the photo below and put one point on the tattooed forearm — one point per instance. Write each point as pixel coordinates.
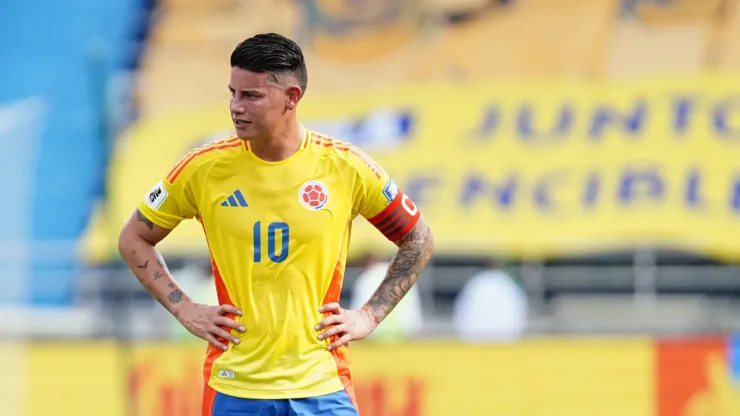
(141, 218)
(175, 296)
(136, 245)
(414, 252)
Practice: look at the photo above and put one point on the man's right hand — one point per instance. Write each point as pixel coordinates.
(211, 323)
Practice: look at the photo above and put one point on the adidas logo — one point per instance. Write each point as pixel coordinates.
(235, 200)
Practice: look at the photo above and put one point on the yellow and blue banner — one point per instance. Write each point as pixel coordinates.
(531, 169)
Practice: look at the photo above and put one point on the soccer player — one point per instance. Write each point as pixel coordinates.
(276, 204)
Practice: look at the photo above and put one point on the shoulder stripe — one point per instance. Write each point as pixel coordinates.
(224, 144)
(329, 141)
(197, 149)
(347, 147)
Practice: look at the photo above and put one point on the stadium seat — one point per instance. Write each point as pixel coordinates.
(211, 26)
(637, 49)
(728, 38)
(174, 83)
(677, 11)
(679, 37)
(537, 38)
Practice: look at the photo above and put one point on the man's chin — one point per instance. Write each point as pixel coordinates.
(249, 134)
(243, 135)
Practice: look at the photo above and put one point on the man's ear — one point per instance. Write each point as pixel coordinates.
(295, 94)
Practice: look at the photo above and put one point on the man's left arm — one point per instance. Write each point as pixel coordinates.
(397, 217)
(394, 214)
(414, 251)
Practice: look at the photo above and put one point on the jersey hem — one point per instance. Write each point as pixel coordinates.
(271, 395)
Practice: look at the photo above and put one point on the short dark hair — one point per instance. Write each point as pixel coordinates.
(273, 54)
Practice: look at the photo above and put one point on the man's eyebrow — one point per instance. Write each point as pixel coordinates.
(253, 90)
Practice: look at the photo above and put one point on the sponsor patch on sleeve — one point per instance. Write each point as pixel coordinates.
(156, 196)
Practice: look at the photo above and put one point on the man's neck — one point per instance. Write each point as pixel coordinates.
(282, 145)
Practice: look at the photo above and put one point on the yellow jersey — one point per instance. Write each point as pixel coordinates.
(278, 234)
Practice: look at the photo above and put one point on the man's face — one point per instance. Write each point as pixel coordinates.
(258, 104)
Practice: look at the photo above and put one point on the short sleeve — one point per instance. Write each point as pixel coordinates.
(379, 200)
(170, 201)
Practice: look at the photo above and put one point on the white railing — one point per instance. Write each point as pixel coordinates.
(633, 298)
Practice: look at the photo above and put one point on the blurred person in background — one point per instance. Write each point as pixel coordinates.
(406, 320)
(492, 306)
(276, 204)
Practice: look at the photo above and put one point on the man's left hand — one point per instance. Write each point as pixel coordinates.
(347, 324)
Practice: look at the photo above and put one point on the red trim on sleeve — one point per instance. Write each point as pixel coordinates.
(175, 172)
(398, 218)
(346, 147)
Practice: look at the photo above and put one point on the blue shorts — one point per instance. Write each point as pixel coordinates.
(335, 404)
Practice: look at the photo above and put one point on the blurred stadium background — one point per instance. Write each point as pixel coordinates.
(578, 161)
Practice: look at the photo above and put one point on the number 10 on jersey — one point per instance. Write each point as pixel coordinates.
(275, 255)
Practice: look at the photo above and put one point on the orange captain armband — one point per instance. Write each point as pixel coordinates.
(398, 218)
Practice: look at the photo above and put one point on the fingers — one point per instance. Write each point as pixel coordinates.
(226, 308)
(224, 335)
(330, 307)
(213, 341)
(337, 329)
(344, 340)
(223, 321)
(329, 320)
(336, 321)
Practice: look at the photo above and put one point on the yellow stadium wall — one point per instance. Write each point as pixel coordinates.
(574, 377)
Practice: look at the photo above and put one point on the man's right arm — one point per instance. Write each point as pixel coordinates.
(168, 203)
(136, 243)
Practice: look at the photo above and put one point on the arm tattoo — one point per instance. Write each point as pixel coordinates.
(145, 220)
(143, 266)
(414, 251)
(175, 296)
(157, 274)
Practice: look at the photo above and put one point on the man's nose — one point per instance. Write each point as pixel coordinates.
(237, 107)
